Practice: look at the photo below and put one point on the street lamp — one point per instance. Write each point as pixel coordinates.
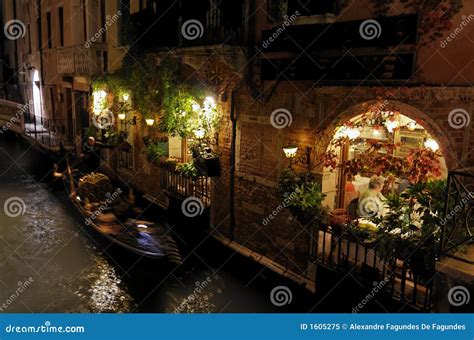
(149, 121)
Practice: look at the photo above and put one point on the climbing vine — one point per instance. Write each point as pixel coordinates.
(156, 90)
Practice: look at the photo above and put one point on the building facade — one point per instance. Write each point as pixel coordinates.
(311, 62)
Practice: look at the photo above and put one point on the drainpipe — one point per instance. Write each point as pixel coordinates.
(40, 50)
(249, 40)
(233, 119)
(16, 44)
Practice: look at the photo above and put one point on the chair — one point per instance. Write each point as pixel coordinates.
(352, 208)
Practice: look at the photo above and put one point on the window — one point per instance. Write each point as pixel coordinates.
(103, 20)
(84, 19)
(48, 29)
(29, 38)
(124, 6)
(61, 25)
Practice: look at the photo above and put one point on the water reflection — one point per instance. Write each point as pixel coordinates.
(46, 244)
(74, 270)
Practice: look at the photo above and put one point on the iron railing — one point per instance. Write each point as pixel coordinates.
(344, 254)
(47, 131)
(457, 232)
(81, 59)
(181, 186)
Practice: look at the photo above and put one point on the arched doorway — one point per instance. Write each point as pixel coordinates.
(37, 100)
(381, 138)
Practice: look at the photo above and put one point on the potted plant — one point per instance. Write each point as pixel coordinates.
(188, 170)
(306, 204)
(206, 162)
(155, 152)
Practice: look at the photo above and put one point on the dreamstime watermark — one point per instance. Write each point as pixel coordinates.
(46, 328)
(458, 296)
(281, 295)
(22, 286)
(109, 200)
(277, 210)
(369, 207)
(14, 29)
(281, 118)
(192, 29)
(288, 21)
(378, 286)
(14, 207)
(192, 207)
(370, 29)
(457, 208)
(459, 118)
(457, 30)
(103, 120)
(200, 287)
(16, 117)
(109, 21)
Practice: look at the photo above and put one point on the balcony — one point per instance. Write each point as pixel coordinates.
(310, 52)
(208, 23)
(78, 60)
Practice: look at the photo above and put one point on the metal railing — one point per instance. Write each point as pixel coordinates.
(458, 223)
(81, 60)
(181, 186)
(343, 254)
(47, 131)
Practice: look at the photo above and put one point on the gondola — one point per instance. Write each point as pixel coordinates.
(141, 237)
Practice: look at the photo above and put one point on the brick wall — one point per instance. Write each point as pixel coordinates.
(315, 112)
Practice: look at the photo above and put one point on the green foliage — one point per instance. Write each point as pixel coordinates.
(288, 182)
(115, 138)
(412, 222)
(179, 116)
(306, 198)
(187, 169)
(157, 90)
(156, 151)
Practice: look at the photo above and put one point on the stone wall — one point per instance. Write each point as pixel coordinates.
(315, 112)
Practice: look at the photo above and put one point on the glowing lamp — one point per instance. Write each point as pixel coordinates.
(125, 96)
(149, 121)
(121, 116)
(391, 125)
(352, 133)
(431, 144)
(99, 101)
(290, 151)
(200, 133)
(411, 126)
(209, 102)
(142, 226)
(196, 107)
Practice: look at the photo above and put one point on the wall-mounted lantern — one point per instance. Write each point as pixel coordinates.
(291, 152)
(122, 116)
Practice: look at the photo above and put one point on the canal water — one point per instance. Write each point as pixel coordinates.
(50, 262)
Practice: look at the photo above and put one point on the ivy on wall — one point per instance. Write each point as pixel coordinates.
(157, 91)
